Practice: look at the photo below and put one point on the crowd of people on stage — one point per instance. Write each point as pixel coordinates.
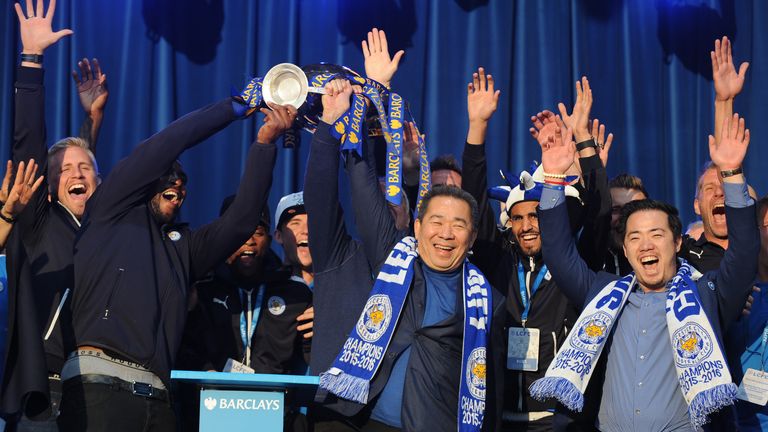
(582, 304)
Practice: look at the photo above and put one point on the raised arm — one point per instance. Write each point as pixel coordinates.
(91, 86)
(328, 237)
(728, 83)
(482, 101)
(131, 181)
(214, 242)
(375, 224)
(570, 271)
(29, 139)
(738, 267)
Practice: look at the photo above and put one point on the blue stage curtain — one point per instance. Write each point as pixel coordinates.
(648, 62)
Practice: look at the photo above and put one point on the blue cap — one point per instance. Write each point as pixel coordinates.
(288, 207)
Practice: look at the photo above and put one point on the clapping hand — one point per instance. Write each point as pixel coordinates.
(578, 119)
(558, 153)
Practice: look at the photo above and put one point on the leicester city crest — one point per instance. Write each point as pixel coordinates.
(591, 332)
(477, 368)
(276, 305)
(375, 319)
(692, 344)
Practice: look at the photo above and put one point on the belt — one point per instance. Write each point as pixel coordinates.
(136, 388)
(85, 362)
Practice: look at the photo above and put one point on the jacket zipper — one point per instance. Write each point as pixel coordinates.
(115, 289)
(56, 315)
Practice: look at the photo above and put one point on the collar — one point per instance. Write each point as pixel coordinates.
(702, 242)
(74, 218)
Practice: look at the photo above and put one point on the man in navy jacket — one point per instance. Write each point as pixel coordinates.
(641, 390)
(134, 265)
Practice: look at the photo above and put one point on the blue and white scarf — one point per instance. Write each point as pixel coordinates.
(351, 373)
(701, 368)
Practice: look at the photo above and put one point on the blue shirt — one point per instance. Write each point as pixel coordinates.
(641, 390)
(745, 351)
(440, 305)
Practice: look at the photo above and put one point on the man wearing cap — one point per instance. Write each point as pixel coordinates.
(538, 313)
(134, 265)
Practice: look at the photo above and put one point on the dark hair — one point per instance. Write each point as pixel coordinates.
(445, 162)
(453, 192)
(631, 207)
(628, 181)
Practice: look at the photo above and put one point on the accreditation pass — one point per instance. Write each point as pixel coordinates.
(754, 387)
(523, 351)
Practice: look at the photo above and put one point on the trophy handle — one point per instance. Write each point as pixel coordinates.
(316, 90)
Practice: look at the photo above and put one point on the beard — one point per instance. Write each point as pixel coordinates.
(160, 216)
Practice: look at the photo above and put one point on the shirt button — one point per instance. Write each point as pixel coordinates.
(640, 384)
(644, 331)
(642, 357)
(637, 412)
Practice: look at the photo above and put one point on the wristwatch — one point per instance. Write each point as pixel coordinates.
(32, 58)
(585, 144)
(731, 173)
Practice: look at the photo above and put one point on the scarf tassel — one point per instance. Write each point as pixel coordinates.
(559, 388)
(709, 401)
(345, 385)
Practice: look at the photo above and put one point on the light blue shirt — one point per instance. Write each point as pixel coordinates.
(641, 391)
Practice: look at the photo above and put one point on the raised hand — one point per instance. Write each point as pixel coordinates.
(91, 86)
(544, 126)
(729, 151)
(482, 101)
(23, 187)
(603, 143)
(728, 83)
(6, 186)
(578, 120)
(35, 27)
(336, 99)
(378, 65)
(558, 153)
(411, 147)
(277, 119)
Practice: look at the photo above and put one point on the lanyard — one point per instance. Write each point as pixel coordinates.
(248, 319)
(524, 288)
(763, 343)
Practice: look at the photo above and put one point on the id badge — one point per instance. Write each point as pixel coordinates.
(523, 350)
(754, 387)
(235, 366)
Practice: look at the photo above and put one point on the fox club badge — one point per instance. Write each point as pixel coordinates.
(276, 305)
(692, 345)
(477, 368)
(375, 319)
(591, 332)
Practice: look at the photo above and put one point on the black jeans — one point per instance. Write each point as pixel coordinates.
(87, 407)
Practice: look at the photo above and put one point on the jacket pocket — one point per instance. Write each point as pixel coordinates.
(113, 292)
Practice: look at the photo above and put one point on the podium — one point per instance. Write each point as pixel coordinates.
(230, 401)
